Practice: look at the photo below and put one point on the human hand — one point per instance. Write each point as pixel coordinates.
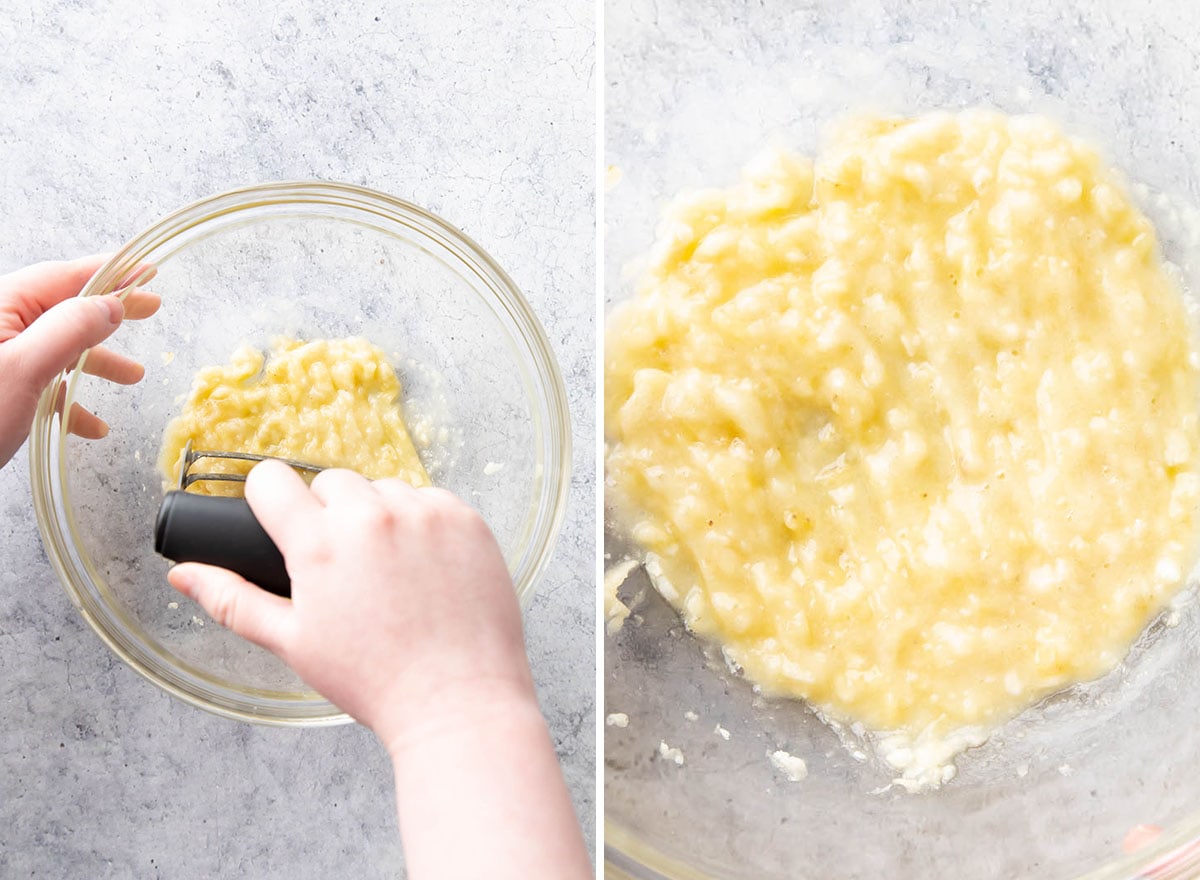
(404, 615)
(45, 328)
(401, 601)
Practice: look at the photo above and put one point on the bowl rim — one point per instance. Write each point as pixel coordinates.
(1173, 855)
(546, 397)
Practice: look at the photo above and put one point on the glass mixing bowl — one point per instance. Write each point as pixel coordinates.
(696, 90)
(306, 260)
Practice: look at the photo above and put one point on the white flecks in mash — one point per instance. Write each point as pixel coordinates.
(792, 767)
(615, 611)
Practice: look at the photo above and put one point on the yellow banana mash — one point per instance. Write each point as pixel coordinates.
(911, 431)
(328, 402)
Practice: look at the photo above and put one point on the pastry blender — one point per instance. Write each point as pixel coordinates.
(220, 530)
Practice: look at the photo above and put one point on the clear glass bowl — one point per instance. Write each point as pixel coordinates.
(697, 90)
(306, 260)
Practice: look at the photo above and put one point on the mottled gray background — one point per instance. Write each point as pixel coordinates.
(114, 114)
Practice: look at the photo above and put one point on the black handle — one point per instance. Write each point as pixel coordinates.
(219, 531)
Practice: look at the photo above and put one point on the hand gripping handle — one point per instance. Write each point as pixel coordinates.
(219, 531)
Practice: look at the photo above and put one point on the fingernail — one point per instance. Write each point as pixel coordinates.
(113, 308)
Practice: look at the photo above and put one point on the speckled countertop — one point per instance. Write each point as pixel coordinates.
(115, 116)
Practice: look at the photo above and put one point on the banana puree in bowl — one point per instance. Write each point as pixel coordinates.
(911, 430)
(327, 402)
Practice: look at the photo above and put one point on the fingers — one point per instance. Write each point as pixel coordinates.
(396, 490)
(142, 273)
(342, 487)
(235, 603)
(44, 285)
(438, 495)
(140, 304)
(1140, 835)
(47, 284)
(57, 339)
(282, 503)
(107, 364)
(85, 424)
(80, 421)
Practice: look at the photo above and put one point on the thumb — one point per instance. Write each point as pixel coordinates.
(235, 603)
(60, 335)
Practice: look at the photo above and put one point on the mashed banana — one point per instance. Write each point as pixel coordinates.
(911, 432)
(326, 402)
